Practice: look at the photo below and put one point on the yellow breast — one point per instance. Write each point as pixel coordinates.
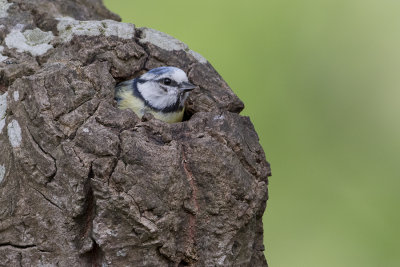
(128, 100)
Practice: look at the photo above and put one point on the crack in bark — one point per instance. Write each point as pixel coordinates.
(48, 98)
(78, 106)
(119, 149)
(17, 246)
(138, 36)
(45, 197)
(88, 213)
(114, 165)
(94, 256)
(190, 246)
(73, 135)
(51, 176)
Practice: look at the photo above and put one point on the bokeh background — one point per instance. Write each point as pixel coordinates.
(320, 80)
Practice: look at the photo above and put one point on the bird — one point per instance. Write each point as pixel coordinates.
(161, 91)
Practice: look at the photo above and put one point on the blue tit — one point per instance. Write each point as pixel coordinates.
(161, 91)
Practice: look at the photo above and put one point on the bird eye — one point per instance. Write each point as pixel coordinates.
(167, 81)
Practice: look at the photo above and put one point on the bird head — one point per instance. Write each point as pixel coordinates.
(165, 88)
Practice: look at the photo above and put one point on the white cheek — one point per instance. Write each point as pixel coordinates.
(163, 101)
(172, 92)
(156, 96)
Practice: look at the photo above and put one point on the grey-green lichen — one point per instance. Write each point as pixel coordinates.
(167, 42)
(198, 57)
(162, 40)
(3, 105)
(2, 58)
(35, 41)
(2, 172)
(3, 110)
(69, 27)
(14, 134)
(4, 5)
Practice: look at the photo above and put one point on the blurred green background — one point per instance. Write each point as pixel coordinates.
(320, 80)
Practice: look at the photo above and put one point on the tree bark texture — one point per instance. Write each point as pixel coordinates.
(83, 183)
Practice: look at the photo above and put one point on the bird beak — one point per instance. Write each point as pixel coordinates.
(186, 87)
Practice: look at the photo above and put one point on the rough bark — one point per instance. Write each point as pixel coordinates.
(83, 183)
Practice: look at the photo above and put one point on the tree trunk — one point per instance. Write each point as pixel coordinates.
(83, 183)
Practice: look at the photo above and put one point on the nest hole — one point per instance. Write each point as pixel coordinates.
(183, 263)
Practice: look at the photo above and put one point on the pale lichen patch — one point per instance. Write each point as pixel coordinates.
(16, 95)
(3, 111)
(35, 41)
(2, 124)
(3, 105)
(167, 42)
(198, 57)
(37, 37)
(69, 27)
(162, 40)
(219, 117)
(4, 5)
(122, 252)
(14, 133)
(2, 172)
(2, 58)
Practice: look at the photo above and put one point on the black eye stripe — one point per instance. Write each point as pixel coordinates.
(164, 88)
